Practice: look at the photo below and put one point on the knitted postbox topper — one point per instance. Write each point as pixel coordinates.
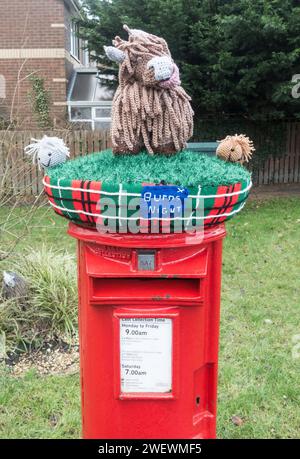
(150, 109)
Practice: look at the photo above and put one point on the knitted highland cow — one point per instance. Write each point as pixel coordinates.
(150, 108)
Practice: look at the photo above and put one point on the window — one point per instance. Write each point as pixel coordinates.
(103, 112)
(102, 92)
(87, 86)
(2, 87)
(81, 113)
(84, 87)
(75, 41)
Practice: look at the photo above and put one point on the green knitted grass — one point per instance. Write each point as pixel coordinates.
(187, 168)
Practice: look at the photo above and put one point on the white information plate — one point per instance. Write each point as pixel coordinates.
(146, 354)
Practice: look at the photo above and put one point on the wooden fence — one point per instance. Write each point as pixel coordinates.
(284, 168)
(19, 175)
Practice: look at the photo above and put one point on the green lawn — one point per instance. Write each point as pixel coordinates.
(258, 376)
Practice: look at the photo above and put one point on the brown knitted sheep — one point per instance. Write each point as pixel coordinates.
(150, 108)
(235, 148)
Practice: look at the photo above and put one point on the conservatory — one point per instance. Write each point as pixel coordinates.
(89, 100)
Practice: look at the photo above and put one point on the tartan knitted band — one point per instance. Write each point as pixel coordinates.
(79, 201)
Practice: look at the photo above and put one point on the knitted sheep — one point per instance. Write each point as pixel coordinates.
(150, 108)
(48, 151)
(236, 148)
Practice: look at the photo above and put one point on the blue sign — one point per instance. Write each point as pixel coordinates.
(163, 201)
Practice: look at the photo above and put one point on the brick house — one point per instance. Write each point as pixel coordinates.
(38, 37)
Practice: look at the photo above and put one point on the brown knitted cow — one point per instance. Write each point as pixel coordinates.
(150, 108)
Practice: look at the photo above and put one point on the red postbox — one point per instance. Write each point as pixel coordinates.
(149, 329)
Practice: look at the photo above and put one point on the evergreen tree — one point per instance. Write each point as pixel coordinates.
(236, 57)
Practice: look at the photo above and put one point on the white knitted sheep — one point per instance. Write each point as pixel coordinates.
(48, 151)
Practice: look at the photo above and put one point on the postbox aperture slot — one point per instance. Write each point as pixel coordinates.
(154, 289)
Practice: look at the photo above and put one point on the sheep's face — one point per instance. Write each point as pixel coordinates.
(159, 71)
(230, 150)
(48, 151)
(144, 58)
(45, 158)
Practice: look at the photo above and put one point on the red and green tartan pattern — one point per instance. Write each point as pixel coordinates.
(80, 201)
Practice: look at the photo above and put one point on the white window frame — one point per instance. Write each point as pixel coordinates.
(93, 106)
(2, 87)
(99, 119)
(75, 41)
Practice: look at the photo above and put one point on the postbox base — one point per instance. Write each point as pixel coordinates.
(149, 328)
